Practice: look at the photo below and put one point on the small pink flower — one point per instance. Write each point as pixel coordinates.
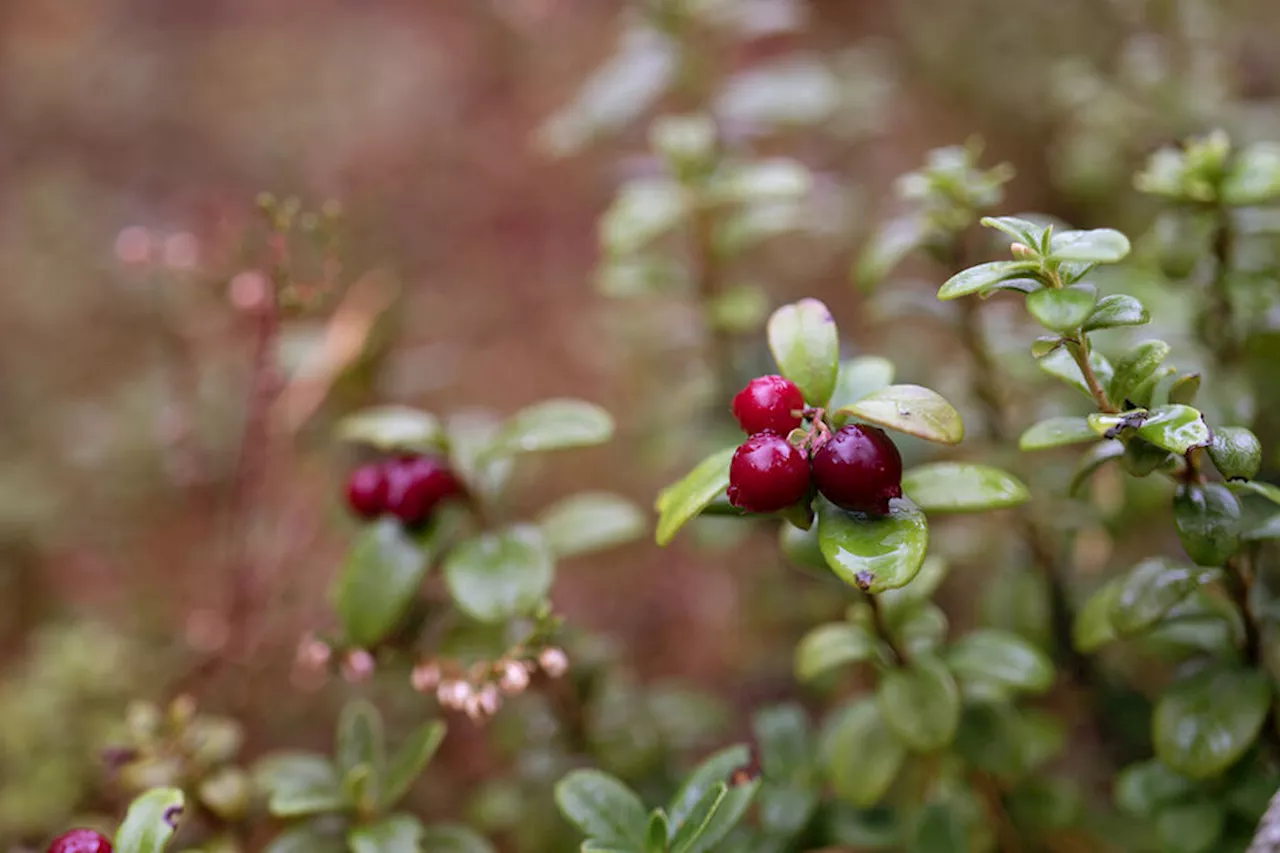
(554, 661)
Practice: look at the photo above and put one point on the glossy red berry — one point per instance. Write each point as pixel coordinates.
(769, 404)
(859, 468)
(767, 474)
(80, 841)
(367, 491)
(416, 485)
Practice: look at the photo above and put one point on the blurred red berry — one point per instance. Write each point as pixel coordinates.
(367, 491)
(80, 841)
(769, 404)
(859, 468)
(416, 485)
(767, 474)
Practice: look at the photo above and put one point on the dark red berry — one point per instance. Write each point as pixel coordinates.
(416, 485)
(769, 404)
(367, 491)
(80, 841)
(767, 474)
(859, 468)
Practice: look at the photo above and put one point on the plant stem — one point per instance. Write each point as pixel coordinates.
(900, 657)
(1239, 572)
(1079, 349)
(1215, 324)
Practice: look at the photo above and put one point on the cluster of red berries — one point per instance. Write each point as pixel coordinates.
(80, 841)
(407, 487)
(857, 468)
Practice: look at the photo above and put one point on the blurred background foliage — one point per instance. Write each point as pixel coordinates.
(473, 147)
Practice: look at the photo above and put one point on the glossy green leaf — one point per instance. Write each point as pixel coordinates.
(1257, 487)
(1236, 453)
(801, 548)
(962, 487)
(686, 834)
(1146, 787)
(706, 776)
(392, 428)
(1136, 367)
(785, 810)
(1057, 432)
(658, 833)
(554, 425)
(1000, 658)
(983, 276)
(806, 346)
(859, 377)
(1265, 530)
(912, 409)
(498, 575)
(921, 703)
(603, 808)
(1093, 629)
(920, 630)
(1183, 391)
(887, 247)
(1142, 458)
(939, 829)
(833, 645)
(1176, 428)
(300, 784)
(590, 521)
(1190, 828)
(1208, 521)
(1022, 230)
(1254, 177)
(873, 553)
(1098, 246)
(360, 738)
(1115, 311)
(733, 807)
(1059, 363)
(398, 833)
(680, 503)
(1044, 345)
(150, 821)
(1062, 309)
(1205, 723)
(446, 838)
(861, 754)
(1148, 591)
(379, 580)
(643, 210)
(408, 762)
(1200, 624)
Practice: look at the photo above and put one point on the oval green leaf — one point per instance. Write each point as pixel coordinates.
(962, 487)
(1143, 788)
(381, 576)
(912, 409)
(887, 247)
(806, 346)
(590, 521)
(861, 754)
(983, 276)
(643, 210)
(1022, 230)
(680, 503)
(392, 428)
(1057, 432)
(1000, 658)
(1191, 827)
(1136, 367)
(452, 838)
(860, 377)
(390, 834)
(1093, 629)
(1117, 310)
(801, 547)
(1207, 519)
(1205, 723)
(921, 703)
(496, 576)
(410, 760)
(833, 645)
(299, 784)
(873, 553)
(1098, 246)
(1062, 309)
(1059, 363)
(151, 821)
(1148, 591)
(1176, 428)
(1254, 177)
(603, 808)
(553, 425)
(1236, 453)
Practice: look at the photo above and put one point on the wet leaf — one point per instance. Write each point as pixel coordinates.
(1176, 428)
(1000, 658)
(1148, 591)
(921, 703)
(911, 409)
(962, 487)
(1236, 453)
(859, 377)
(1136, 366)
(833, 645)
(861, 754)
(1099, 246)
(1205, 723)
(1115, 311)
(1062, 309)
(873, 553)
(498, 575)
(1207, 519)
(806, 346)
(983, 276)
(1057, 432)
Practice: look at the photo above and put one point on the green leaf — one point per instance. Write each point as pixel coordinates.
(150, 821)
(1090, 461)
(921, 703)
(1000, 658)
(983, 276)
(922, 587)
(1184, 389)
(1117, 310)
(472, 445)
(1190, 828)
(785, 810)
(1236, 452)
(1257, 487)
(1254, 177)
(962, 487)
(887, 247)
(859, 377)
(498, 575)
(691, 828)
(1021, 230)
(604, 809)
(1135, 367)
(590, 521)
(1059, 363)
(360, 738)
(939, 829)
(1093, 629)
(1057, 432)
(1148, 591)
(379, 580)
(920, 630)
(680, 503)
(1205, 723)
(1099, 246)
(1044, 805)
(658, 833)
(1146, 787)
(861, 754)
(785, 742)
(643, 210)
(806, 346)
(306, 838)
(408, 762)
(873, 553)
(912, 409)
(706, 776)
(300, 784)
(1062, 309)
(446, 838)
(764, 180)
(398, 833)
(832, 645)
(554, 425)
(392, 428)
(1207, 519)
(877, 828)
(1176, 428)
(801, 548)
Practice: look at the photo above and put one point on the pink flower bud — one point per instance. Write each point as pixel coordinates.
(358, 667)
(133, 245)
(425, 677)
(453, 694)
(554, 661)
(515, 678)
(313, 654)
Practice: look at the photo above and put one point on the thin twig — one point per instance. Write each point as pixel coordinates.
(1079, 349)
(900, 657)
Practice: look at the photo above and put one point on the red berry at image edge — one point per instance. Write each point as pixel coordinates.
(769, 404)
(859, 468)
(416, 485)
(367, 491)
(80, 841)
(767, 474)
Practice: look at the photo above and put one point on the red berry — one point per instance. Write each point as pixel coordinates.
(767, 474)
(416, 484)
(80, 841)
(769, 404)
(367, 491)
(859, 468)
